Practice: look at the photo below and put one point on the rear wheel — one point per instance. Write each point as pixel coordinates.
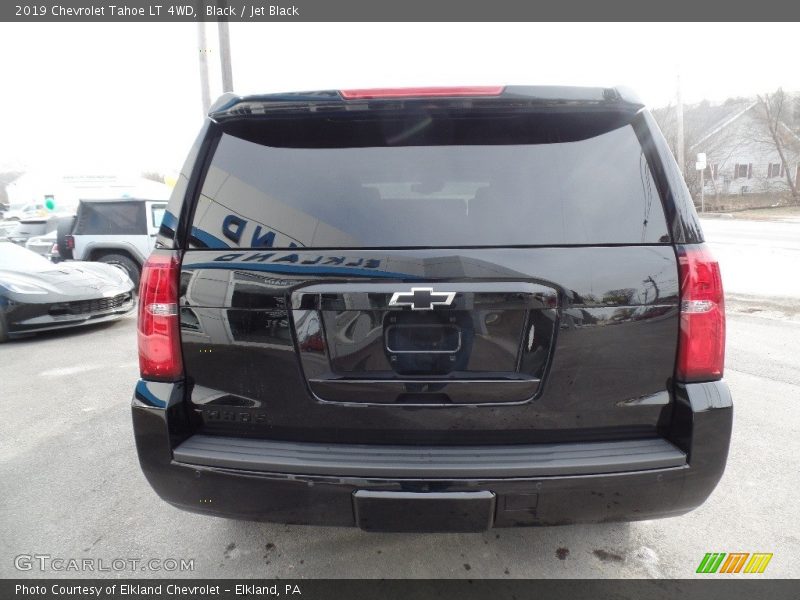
(123, 262)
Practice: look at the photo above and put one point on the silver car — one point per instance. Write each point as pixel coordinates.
(45, 245)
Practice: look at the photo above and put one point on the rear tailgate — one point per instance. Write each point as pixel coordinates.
(263, 362)
(430, 275)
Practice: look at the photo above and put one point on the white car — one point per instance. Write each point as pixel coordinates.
(46, 245)
(120, 232)
(27, 211)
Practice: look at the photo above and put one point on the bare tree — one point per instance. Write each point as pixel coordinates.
(719, 148)
(668, 123)
(774, 115)
(6, 178)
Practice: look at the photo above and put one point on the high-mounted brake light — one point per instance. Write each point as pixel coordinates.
(159, 334)
(701, 347)
(422, 92)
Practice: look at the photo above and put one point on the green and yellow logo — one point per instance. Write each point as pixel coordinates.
(734, 562)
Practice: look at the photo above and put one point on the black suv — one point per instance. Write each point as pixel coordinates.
(432, 309)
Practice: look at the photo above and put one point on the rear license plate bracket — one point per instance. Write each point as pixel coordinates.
(424, 511)
(423, 339)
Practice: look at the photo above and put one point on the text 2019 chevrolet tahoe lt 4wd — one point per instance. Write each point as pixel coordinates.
(432, 309)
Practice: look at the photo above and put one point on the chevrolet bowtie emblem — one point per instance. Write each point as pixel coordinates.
(420, 298)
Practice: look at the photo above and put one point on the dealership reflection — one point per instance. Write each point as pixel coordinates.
(244, 311)
(234, 307)
(257, 195)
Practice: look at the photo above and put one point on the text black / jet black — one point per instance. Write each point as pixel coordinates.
(432, 309)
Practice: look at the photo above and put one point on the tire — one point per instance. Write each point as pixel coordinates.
(3, 329)
(63, 229)
(125, 263)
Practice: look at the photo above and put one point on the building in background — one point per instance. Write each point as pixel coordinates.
(744, 167)
(60, 193)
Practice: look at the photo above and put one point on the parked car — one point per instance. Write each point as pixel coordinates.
(7, 227)
(26, 211)
(36, 295)
(45, 245)
(118, 232)
(25, 229)
(432, 309)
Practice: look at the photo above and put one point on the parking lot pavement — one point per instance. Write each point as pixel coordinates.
(72, 487)
(757, 258)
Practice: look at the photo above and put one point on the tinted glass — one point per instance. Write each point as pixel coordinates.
(111, 218)
(592, 191)
(687, 224)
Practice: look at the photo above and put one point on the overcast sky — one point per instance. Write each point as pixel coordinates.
(91, 98)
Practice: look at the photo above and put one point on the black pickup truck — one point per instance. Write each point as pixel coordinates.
(432, 309)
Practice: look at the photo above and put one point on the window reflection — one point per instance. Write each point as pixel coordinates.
(595, 190)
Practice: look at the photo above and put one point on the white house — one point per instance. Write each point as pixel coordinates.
(742, 158)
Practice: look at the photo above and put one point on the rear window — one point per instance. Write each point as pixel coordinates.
(111, 218)
(597, 190)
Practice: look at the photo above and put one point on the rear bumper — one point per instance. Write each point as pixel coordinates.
(551, 485)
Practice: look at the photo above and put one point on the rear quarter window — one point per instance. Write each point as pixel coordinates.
(597, 190)
(157, 214)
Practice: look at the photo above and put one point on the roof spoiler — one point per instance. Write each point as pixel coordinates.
(231, 106)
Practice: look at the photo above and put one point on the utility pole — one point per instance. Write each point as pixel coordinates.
(702, 191)
(225, 56)
(205, 92)
(679, 115)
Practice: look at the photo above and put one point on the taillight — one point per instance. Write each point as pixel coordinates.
(159, 336)
(423, 92)
(69, 241)
(701, 348)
